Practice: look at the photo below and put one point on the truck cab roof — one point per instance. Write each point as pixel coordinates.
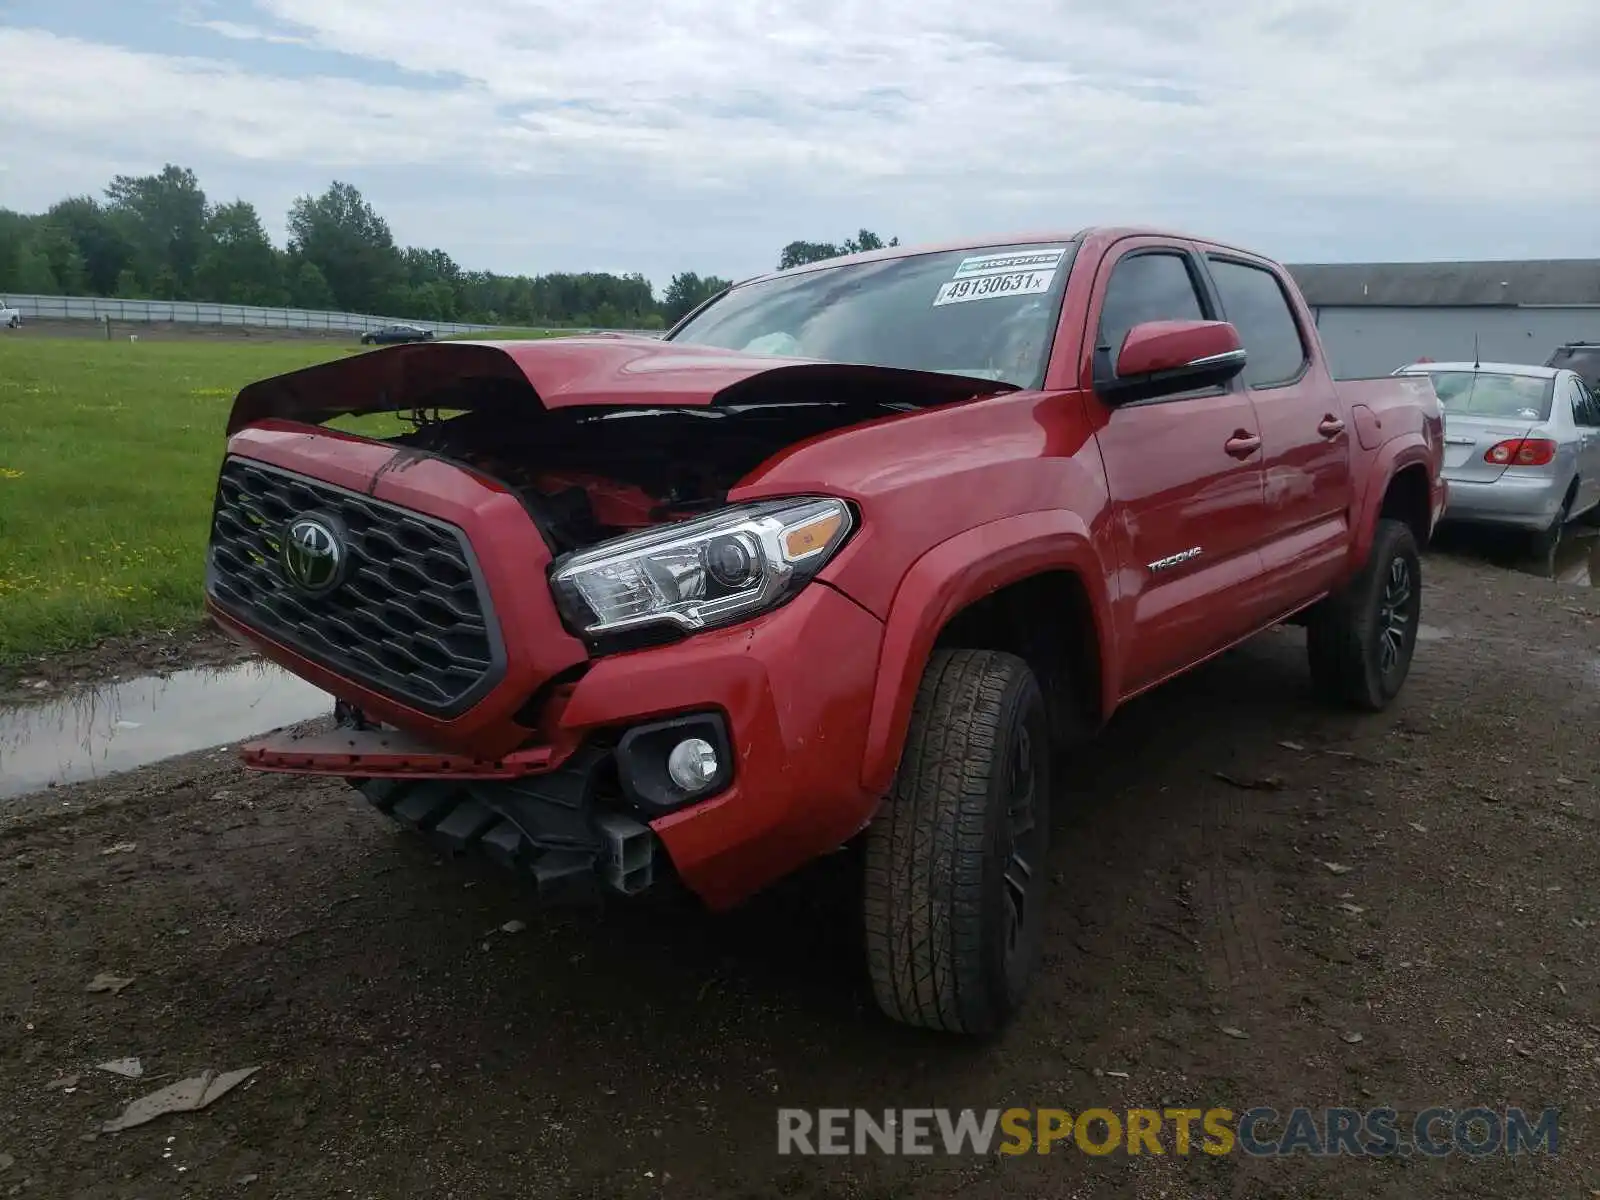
(1024, 238)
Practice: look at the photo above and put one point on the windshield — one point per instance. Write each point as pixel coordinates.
(1585, 360)
(989, 313)
(1490, 394)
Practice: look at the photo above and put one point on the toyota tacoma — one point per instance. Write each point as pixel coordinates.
(855, 556)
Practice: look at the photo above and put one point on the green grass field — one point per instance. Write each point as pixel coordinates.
(108, 459)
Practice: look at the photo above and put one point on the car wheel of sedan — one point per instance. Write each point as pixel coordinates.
(955, 862)
(1360, 642)
(1548, 539)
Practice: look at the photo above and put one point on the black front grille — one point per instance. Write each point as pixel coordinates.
(409, 619)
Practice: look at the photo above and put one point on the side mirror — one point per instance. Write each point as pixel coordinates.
(1163, 358)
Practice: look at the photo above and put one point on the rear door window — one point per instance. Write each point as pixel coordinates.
(1253, 301)
(1585, 408)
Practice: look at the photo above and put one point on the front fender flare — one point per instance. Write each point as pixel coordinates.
(947, 579)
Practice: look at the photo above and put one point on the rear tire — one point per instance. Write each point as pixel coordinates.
(1546, 541)
(1360, 642)
(955, 872)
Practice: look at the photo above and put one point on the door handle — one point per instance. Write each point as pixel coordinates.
(1330, 426)
(1242, 444)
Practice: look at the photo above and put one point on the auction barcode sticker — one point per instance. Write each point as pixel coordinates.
(987, 287)
(1011, 261)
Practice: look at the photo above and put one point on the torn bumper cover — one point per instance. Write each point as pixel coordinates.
(792, 690)
(382, 753)
(546, 826)
(525, 811)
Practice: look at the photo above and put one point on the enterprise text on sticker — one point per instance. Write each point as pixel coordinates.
(988, 287)
(1009, 262)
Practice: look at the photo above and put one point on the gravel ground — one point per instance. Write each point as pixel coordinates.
(408, 1046)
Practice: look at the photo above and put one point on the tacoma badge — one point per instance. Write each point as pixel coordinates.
(1173, 560)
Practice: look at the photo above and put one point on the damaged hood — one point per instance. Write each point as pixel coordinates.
(607, 370)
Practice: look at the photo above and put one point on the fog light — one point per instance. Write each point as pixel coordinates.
(692, 764)
(665, 765)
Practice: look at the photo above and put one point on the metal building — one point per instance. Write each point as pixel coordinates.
(1374, 317)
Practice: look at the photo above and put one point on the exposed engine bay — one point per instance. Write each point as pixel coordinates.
(588, 474)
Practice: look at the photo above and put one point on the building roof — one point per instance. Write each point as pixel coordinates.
(1410, 285)
(1488, 368)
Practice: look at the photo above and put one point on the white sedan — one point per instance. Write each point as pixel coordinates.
(1521, 445)
(10, 318)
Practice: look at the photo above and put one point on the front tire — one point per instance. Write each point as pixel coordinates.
(955, 866)
(1360, 642)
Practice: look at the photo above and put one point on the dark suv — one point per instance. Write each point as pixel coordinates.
(1582, 357)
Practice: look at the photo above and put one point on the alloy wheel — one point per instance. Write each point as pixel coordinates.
(1022, 835)
(1395, 615)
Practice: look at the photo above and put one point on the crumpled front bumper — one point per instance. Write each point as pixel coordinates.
(794, 688)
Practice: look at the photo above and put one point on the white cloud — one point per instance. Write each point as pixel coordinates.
(250, 33)
(76, 89)
(944, 116)
(1345, 93)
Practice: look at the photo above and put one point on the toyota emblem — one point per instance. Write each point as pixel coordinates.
(313, 555)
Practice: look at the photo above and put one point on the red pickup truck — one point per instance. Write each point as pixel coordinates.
(846, 559)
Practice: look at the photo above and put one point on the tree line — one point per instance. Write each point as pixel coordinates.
(158, 237)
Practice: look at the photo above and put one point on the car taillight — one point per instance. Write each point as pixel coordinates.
(1521, 452)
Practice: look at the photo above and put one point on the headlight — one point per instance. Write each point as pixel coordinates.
(697, 574)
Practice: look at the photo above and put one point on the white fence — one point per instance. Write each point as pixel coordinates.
(187, 312)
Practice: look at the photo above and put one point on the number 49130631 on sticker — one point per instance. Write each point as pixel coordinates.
(988, 287)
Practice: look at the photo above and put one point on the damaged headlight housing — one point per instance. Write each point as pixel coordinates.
(698, 574)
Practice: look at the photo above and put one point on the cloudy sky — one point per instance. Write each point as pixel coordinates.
(667, 135)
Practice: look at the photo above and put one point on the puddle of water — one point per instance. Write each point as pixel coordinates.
(1577, 558)
(1576, 561)
(125, 725)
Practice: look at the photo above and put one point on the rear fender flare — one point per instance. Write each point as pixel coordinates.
(1392, 458)
(950, 577)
